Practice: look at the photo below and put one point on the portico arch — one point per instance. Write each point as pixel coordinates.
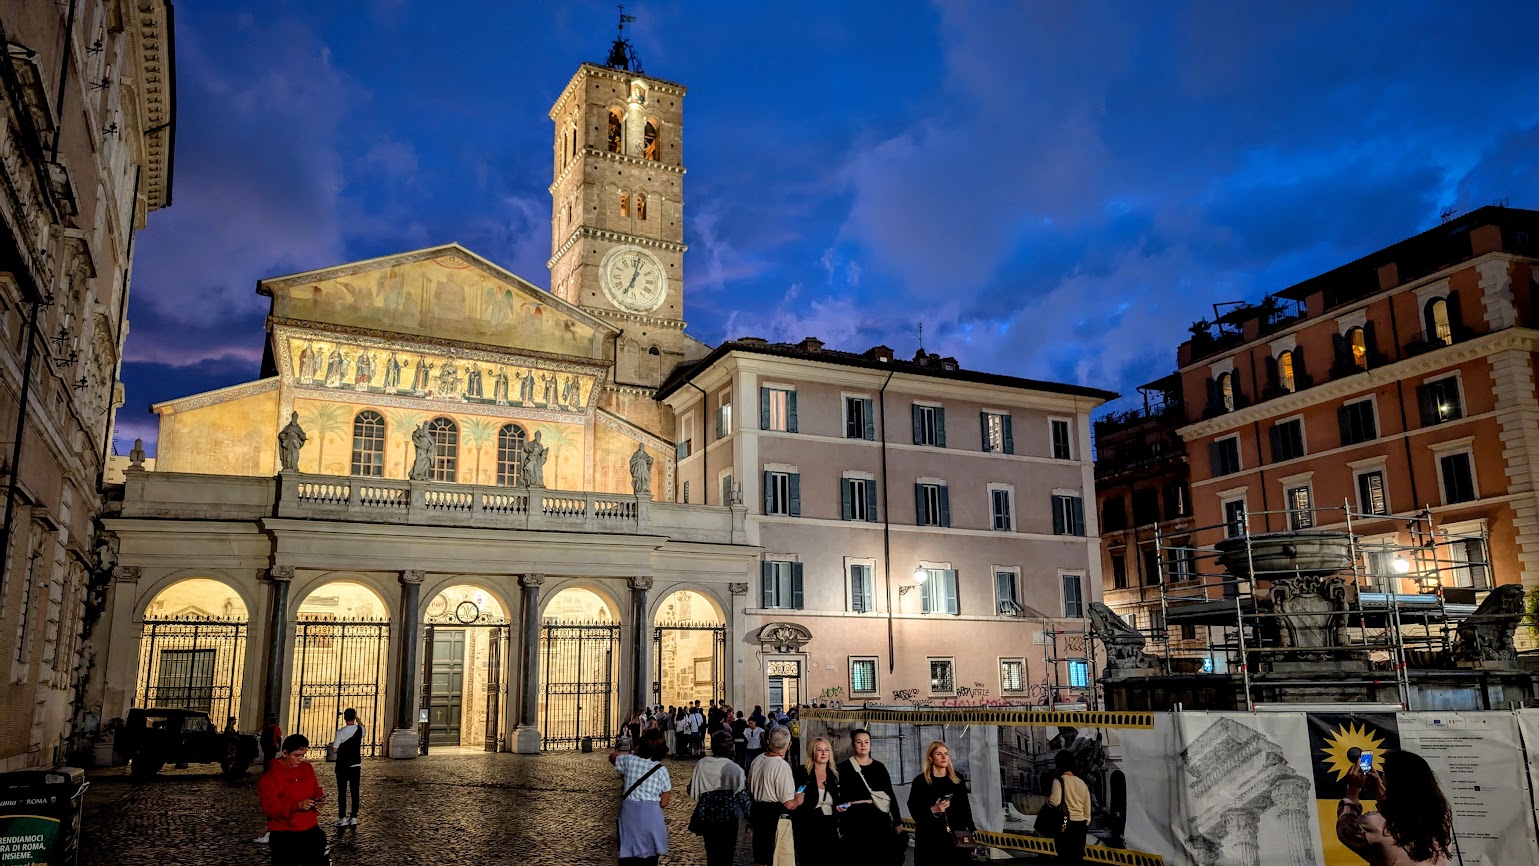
(579, 688)
(341, 660)
(689, 648)
(466, 648)
(192, 647)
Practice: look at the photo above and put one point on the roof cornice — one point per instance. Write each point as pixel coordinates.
(582, 232)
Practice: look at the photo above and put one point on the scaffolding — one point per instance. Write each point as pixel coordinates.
(1080, 639)
(1414, 582)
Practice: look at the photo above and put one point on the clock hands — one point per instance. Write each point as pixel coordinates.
(634, 274)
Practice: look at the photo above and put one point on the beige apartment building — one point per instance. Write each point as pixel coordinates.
(923, 526)
(88, 108)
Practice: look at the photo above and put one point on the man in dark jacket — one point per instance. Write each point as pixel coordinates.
(348, 748)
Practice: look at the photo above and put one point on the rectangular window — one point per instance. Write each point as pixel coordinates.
(1119, 564)
(998, 437)
(1062, 448)
(1114, 515)
(1371, 495)
(1357, 422)
(863, 676)
(1146, 506)
(781, 584)
(940, 592)
(942, 677)
(1012, 675)
(1458, 477)
(929, 425)
(1234, 518)
(686, 493)
(1439, 401)
(1179, 562)
(723, 418)
(1188, 631)
(1079, 674)
(1177, 500)
(783, 493)
(1007, 593)
(1073, 596)
(1152, 572)
(726, 490)
(858, 499)
(1068, 515)
(859, 421)
(777, 409)
(999, 509)
(686, 444)
(1226, 455)
(932, 504)
(862, 589)
(1287, 440)
(1471, 567)
(1301, 512)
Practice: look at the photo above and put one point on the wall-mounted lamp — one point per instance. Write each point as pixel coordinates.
(921, 575)
(1401, 565)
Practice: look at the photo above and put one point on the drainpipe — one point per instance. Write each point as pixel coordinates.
(1255, 385)
(21, 427)
(881, 400)
(1405, 440)
(705, 458)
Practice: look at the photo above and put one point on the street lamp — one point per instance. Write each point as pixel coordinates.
(1401, 565)
(920, 575)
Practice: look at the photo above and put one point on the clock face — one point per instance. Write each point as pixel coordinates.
(634, 279)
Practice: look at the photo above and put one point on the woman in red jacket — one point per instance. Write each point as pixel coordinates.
(291, 797)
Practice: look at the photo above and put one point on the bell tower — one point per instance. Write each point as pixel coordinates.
(617, 210)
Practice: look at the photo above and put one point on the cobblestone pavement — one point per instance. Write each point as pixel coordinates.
(554, 808)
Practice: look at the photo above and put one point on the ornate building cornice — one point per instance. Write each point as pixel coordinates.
(154, 74)
(622, 159)
(586, 232)
(461, 348)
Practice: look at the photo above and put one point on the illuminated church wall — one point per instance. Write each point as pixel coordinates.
(612, 463)
(236, 436)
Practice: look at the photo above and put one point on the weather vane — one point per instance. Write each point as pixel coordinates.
(622, 54)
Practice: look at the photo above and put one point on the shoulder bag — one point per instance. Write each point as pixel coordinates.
(880, 798)
(1052, 819)
(645, 776)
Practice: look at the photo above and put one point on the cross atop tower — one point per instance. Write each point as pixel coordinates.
(622, 54)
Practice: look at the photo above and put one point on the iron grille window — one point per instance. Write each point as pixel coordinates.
(510, 453)
(863, 676)
(1371, 496)
(1062, 449)
(1012, 675)
(369, 444)
(446, 449)
(1079, 674)
(942, 677)
(1301, 512)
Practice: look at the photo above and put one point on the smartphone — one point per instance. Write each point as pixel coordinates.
(801, 789)
(1365, 762)
(842, 806)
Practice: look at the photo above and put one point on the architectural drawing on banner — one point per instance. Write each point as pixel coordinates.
(1246, 797)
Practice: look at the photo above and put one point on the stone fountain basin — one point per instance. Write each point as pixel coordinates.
(1315, 553)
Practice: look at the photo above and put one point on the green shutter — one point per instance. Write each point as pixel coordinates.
(919, 504)
(796, 585)
(1079, 515)
(945, 504)
(1009, 434)
(1058, 527)
(870, 419)
(844, 498)
(769, 492)
(918, 425)
(764, 412)
(870, 501)
(953, 600)
(791, 411)
(940, 426)
(794, 485)
(767, 584)
(983, 425)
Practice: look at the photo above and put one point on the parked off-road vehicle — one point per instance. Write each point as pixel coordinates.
(152, 738)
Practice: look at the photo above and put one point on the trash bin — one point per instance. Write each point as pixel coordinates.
(40, 816)
(587, 744)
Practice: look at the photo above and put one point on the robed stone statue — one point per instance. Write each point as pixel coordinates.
(422, 462)
(641, 472)
(533, 469)
(290, 439)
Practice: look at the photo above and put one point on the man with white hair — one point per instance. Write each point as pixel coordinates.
(773, 788)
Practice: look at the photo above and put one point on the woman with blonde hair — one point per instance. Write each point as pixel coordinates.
(937, 801)
(814, 822)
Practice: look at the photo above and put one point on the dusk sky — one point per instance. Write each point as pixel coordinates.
(1054, 190)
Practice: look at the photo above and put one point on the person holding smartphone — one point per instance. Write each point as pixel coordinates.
(937, 801)
(869, 822)
(814, 821)
(291, 800)
(1413, 823)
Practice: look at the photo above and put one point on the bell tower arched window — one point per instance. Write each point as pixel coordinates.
(616, 131)
(368, 444)
(641, 206)
(510, 453)
(1439, 327)
(650, 145)
(625, 205)
(446, 449)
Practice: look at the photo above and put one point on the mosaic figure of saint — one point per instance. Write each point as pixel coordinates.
(500, 386)
(307, 362)
(448, 380)
(473, 382)
(419, 383)
(392, 373)
(570, 391)
(364, 371)
(526, 388)
(550, 389)
(334, 367)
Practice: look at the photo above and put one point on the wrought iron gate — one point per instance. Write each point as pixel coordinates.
(578, 684)
(340, 664)
(194, 663)
(700, 676)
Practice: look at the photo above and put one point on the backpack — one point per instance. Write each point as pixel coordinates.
(716, 810)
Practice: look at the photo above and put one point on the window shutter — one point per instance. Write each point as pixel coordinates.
(796, 585)
(764, 415)
(953, 603)
(791, 411)
(870, 418)
(983, 424)
(721, 429)
(767, 584)
(1215, 459)
(1009, 435)
(1427, 402)
(794, 482)
(1298, 368)
(926, 592)
(1341, 349)
(1344, 421)
(940, 426)
(1275, 434)
(918, 426)
(1215, 396)
(870, 501)
(1455, 318)
(844, 498)
(1368, 342)
(919, 505)
(1004, 587)
(1058, 527)
(769, 492)
(1079, 515)
(945, 505)
(681, 450)
(1273, 378)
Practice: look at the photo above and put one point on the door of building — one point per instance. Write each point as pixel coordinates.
(785, 684)
(447, 696)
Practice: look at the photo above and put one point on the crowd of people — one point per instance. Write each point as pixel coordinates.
(687, 729)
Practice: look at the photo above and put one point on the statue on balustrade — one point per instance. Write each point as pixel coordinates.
(641, 472)
(532, 472)
(290, 439)
(422, 462)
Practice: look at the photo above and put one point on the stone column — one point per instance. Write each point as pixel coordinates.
(642, 696)
(404, 739)
(526, 740)
(280, 576)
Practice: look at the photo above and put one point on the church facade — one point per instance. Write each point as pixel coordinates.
(453, 499)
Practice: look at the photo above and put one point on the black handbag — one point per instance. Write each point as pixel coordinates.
(1052, 819)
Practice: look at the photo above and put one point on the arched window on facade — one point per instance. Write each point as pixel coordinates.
(641, 206)
(1357, 348)
(625, 205)
(650, 144)
(446, 449)
(1226, 390)
(369, 444)
(616, 131)
(1285, 372)
(510, 453)
(572, 142)
(1439, 327)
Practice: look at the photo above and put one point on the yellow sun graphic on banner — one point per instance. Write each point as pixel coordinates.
(1342, 740)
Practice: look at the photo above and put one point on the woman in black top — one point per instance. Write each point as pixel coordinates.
(813, 823)
(937, 801)
(870, 824)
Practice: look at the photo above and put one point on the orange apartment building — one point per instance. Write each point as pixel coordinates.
(1398, 384)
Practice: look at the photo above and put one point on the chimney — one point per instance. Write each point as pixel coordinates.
(1389, 276)
(811, 344)
(880, 353)
(752, 341)
(1485, 239)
